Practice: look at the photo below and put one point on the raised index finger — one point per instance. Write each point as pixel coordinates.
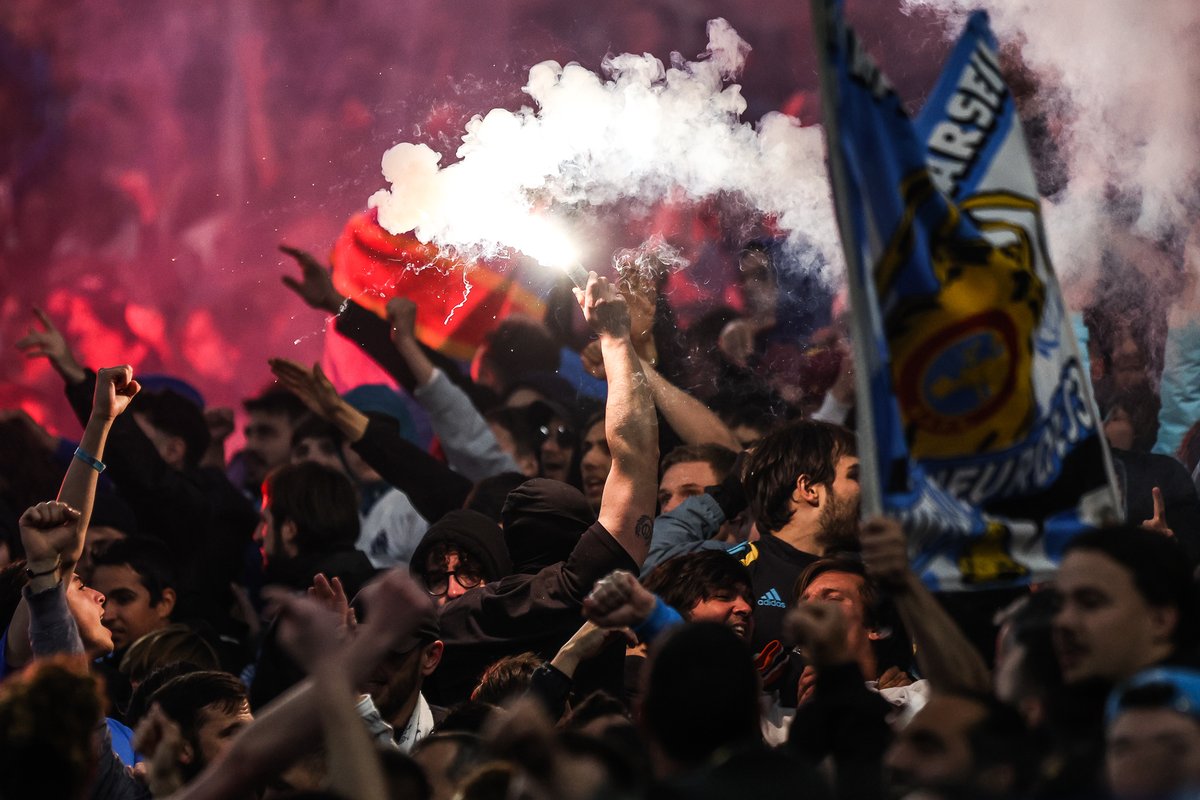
(45, 318)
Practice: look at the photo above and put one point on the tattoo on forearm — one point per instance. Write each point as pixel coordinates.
(644, 528)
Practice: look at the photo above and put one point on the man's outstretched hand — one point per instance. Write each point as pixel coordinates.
(115, 388)
(394, 606)
(820, 628)
(1158, 523)
(402, 314)
(310, 385)
(309, 631)
(885, 553)
(316, 284)
(49, 343)
(332, 595)
(49, 533)
(618, 601)
(603, 307)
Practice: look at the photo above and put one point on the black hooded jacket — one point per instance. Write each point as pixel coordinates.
(559, 554)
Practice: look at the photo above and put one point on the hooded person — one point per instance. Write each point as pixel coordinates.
(542, 521)
(537, 607)
(461, 551)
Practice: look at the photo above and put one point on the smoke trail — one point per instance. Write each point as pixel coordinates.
(641, 132)
(1117, 80)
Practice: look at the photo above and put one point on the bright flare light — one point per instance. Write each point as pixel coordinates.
(549, 245)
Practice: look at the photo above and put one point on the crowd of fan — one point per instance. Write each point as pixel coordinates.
(629, 563)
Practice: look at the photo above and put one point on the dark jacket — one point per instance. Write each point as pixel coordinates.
(526, 612)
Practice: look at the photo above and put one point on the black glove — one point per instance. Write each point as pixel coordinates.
(730, 494)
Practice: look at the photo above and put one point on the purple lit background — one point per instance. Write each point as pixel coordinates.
(155, 154)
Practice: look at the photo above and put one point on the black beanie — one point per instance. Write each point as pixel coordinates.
(471, 533)
(543, 520)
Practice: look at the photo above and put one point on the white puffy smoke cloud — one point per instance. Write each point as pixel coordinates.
(642, 132)
(1119, 81)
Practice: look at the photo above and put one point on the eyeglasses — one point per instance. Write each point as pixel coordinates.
(438, 583)
(563, 436)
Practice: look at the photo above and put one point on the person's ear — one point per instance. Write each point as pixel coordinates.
(807, 491)
(431, 656)
(186, 753)
(1163, 620)
(165, 604)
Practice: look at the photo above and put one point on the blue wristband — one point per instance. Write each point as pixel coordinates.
(661, 618)
(87, 458)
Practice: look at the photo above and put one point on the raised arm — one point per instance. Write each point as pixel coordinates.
(115, 387)
(630, 426)
(695, 422)
(431, 486)
(50, 344)
(310, 634)
(364, 328)
(469, 444)
(53, 547)
(944, 654)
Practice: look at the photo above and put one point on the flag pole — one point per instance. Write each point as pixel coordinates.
(871, 491)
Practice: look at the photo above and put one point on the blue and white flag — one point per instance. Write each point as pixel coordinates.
(977, 425)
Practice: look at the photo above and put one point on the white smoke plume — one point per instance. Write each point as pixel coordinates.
(639, 132)
(1119, 81)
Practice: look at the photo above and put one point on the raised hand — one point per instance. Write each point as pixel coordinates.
(332, 595)
(820, 628)
(49, 533)
(402, 314)
(618, 601)
(603, 307)
(160, 740)
(394, 604)
(50, 344)
(310, 385)
(115, 387)
(885, 553)
(1158, 522)
(308, 630)
(316, 285)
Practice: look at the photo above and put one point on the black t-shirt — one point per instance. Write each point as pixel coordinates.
(774, 566)
(521, 613)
